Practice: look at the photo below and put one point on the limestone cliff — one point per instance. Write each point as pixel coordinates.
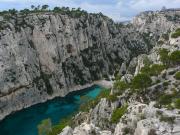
(43, 55)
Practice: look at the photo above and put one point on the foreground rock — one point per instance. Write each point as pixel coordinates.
(141, 119)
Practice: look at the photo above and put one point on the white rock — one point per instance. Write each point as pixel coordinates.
(67, 131)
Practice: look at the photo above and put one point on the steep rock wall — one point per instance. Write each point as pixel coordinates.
(43, 55)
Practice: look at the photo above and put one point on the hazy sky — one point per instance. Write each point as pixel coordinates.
(119, 10)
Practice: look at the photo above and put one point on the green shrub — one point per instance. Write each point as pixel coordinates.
(170, 120)
(25, 11)
(177, 75)
(56, 129)
(120, 86)
(13, 11)
(71, 12)
(117, 76)
(44, 7)
(169, 100)
(145, 69)
(153, 70)
(75, 13)
(118, 113)
(165, 84)
(44, 127)
(176, 34)
(177, 103)
(164, 57)
(165, 99)
(147, 61)
(141, 81)
(175, 57)
(158, 81)
(112, 98)
(156, 69)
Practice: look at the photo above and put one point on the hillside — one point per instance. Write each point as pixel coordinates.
(48, 54)
(144, 100)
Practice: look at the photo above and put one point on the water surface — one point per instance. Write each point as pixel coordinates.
(25, 122)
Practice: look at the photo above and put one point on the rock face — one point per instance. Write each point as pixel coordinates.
(47, 55)
(43, 55)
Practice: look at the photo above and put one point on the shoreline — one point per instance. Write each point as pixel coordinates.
(102, 83)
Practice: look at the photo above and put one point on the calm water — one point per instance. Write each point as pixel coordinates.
(25, 122)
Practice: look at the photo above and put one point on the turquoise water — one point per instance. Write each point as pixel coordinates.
(25, 122)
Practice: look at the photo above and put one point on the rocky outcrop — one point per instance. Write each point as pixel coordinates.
(142, 119)
(85, 129)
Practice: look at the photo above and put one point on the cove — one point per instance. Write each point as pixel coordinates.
(25, 122)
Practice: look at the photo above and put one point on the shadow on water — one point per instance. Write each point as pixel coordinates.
(25, 122)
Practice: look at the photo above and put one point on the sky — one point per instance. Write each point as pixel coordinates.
(118, 10)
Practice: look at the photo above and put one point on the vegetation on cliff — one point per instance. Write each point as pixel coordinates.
(169, 59)
(177, 75)
(120, 86)
(153, 70)
(46, 127)
(72, 12)
(118, 113)
(176, 34)
(141, 82)
(138, 86)
(141, 86)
